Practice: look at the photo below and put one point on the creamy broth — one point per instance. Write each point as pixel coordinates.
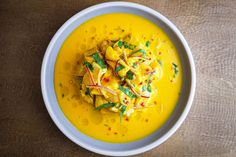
(106, 125)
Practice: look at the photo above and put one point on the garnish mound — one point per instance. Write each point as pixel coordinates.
(119, 75)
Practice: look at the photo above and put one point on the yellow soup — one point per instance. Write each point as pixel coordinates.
(104, 124)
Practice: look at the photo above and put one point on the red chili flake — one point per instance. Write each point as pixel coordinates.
(147, 70)
(127, 119)
(109, 129)
(115, 133)
(140, 83)
(106, 79)
(142, 104)
(150, 53)
(159, 53)
(125, 98)
(127, 102)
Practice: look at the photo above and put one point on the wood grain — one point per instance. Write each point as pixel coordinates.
(26, 29)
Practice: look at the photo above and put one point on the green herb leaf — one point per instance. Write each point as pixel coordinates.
(126, 45)
(147, 43)
(142, 51)
(149, 88)
(135, 65)
(127, 92)
(176, 71)
(123, 108)
(175, 65)
(119, 68)
(139, 50)
(106, 105)
(88, 65)
(99, 60)
(160, 62)
(144, 88)
(132, 47)
(175, 68)
(130, 75)
(120, 43)
(88, 92)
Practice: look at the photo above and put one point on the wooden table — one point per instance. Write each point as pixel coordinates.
(26, 29)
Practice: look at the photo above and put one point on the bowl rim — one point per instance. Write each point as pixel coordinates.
(169, 132)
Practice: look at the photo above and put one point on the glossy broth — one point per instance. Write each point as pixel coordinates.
(106, 126)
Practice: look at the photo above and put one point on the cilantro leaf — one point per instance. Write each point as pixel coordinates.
(147, 44)
(106, 105)
(123, 108)
(119, 68)
(99, 60)
(88, 65)
(127, 92)
(149, 88)
(120, 43)
(130, 75)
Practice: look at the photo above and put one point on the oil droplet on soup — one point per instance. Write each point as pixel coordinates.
(104, 125)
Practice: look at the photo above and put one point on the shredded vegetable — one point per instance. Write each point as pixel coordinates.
(107, 105)
(119, 75)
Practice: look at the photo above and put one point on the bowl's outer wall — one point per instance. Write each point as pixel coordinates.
(103, 147)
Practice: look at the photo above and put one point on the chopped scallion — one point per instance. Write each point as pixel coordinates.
(120, 43)
(149, 88)
(106, 105)
(123, 108)
(130, 75)
(99, 60)
(127, 92)
(119, 68)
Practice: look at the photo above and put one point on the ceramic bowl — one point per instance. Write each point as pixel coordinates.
(122, 149)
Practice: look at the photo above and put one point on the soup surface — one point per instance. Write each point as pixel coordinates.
(102, 123)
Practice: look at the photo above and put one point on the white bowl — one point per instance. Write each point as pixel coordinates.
(131, 148)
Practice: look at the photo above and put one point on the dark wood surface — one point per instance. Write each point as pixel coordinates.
(28, 25)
